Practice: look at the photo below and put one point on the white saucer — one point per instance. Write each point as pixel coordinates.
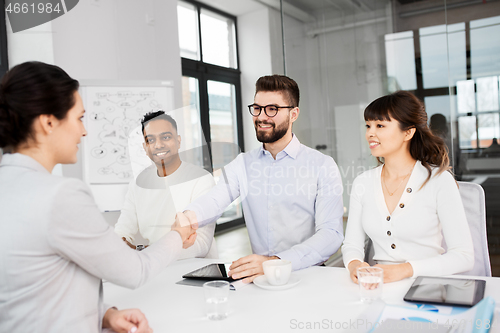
(261, 282)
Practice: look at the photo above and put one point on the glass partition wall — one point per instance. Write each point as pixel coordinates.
(346, 53)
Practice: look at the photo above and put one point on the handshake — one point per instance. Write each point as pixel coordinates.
(186, 224)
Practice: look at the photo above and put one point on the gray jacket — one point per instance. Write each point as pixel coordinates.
(55, 249)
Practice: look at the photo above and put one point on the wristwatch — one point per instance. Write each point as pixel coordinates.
(139, 247)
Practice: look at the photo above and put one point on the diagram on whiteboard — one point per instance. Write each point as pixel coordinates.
(112, 113)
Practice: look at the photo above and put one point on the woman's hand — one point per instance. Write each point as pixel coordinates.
(353, 269)
(126, 321)
(186, 228)
(397, 272)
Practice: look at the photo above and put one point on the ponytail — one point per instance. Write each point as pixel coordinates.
(430, 150)
(9, 125)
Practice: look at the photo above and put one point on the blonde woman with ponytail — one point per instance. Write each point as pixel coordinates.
(410, 201)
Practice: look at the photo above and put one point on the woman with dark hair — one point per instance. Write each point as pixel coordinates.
(56, 246)
(408, 203)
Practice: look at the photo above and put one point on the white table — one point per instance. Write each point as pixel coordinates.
(325, 295)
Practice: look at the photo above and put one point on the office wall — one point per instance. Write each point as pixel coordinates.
(297, 54)
(32, 44)
(254, 44)
(112, 39)
(339, 72)
(338, 68)
(107, 39)
(261, 53)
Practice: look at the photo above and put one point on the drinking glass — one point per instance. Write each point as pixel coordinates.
(370, 280)
(216, 299)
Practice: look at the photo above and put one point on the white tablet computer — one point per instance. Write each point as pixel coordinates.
(446, 291)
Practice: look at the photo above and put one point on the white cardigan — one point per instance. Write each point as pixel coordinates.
(414, 231)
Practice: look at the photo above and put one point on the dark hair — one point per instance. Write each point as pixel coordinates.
(280, 83)
(409, 111)
(155, 116)
(438, 125)
(28, 91)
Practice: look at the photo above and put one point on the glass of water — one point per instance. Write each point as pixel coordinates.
(216, 299)
(371, 280)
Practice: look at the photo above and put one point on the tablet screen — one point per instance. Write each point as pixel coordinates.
(466, 292)
(210, 272)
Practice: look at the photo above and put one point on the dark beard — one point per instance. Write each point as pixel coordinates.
(276, 134)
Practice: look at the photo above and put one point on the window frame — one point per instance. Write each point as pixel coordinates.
(422, 92)
(205, 72)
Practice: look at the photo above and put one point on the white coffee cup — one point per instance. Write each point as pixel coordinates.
(277, 271)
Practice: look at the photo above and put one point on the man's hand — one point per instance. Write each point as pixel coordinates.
(398, 272)
(353, 269)
(132, 246)
(185, 229)
(248, 267)
(126, 321)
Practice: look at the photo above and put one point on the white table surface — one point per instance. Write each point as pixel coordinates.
(325, 295)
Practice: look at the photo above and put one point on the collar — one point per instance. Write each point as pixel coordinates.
(420, 174)
(292, 149)
(21, 160)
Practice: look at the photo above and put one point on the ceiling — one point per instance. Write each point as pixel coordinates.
(234, 7)
(304, 10)
(310, 10)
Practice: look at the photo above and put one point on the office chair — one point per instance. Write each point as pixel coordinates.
(475, 212)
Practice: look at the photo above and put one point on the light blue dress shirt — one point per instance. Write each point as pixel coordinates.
(292, 205)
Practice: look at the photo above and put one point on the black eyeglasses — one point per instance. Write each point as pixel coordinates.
(269, 110)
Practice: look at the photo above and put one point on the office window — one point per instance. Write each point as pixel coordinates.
(467, 134)
(187, 17)
(211, 88)
(442, 51)
(483, 87)
(223, 120)
(478, 116)
(400, 60)
(487, 94)
(466, 96)
(218, 39)
(463, 57)
(485, 46)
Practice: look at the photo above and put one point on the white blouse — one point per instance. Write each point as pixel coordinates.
(414, 231)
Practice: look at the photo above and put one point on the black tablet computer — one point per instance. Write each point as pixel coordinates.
(446, 291)
(210, 272)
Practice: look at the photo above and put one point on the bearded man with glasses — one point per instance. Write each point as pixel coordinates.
(291, 194)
